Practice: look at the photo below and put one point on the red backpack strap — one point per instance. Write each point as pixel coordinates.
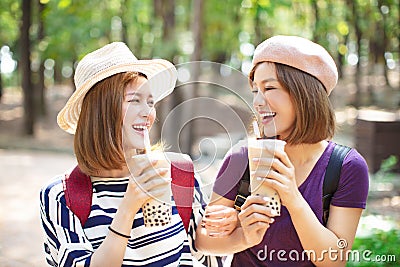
(78, 193)
(182, 173)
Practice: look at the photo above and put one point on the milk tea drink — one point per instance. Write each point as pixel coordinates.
(264, 148)
(158, 211)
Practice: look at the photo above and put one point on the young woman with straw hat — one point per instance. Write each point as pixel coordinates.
(291, 80)
(109, 113)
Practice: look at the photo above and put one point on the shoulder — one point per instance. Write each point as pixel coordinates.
(354, 182)
(355, 162)
(52, 189)
(237, 154)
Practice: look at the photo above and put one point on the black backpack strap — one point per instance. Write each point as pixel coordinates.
(331, 179)
(243, 191)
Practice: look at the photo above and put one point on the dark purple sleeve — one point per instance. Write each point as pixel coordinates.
(353, 185)
(232, 169)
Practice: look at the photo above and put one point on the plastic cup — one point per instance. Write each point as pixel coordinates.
(264, 148)
(158, 211)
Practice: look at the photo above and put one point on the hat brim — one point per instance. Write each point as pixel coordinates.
(161, 75)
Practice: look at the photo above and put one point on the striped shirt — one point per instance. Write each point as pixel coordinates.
(67, 243)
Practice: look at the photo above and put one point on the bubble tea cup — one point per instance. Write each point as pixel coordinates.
(264, 148)
(157, 211)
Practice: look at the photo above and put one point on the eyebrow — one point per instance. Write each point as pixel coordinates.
(136, 94)
(265, 81)
(269, 80)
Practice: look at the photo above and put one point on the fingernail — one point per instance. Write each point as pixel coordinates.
(267, 199)
(272, 220)
(259, 178)
(256, 159)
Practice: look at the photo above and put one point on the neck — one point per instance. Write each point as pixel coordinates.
(304, 153)
(115, 173)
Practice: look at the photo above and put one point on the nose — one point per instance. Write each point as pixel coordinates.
(145, 110)
(259, 99)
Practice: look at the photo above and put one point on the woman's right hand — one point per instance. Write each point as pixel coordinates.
(147, 181)
(220, 220)
(255, 218)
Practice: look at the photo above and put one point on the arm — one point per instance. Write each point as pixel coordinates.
(343, 221)
(254, 219)
(342, 225)
(66, 238)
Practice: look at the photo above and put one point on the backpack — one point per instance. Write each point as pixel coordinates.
(78, 189)
(331, 181)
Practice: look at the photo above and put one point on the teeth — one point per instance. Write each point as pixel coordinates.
(139, 127)
(267, 114)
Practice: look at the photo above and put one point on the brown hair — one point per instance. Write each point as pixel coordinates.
(315, 117)
(98, 136)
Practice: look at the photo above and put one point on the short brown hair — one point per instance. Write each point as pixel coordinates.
(315, 117)
(98, 136)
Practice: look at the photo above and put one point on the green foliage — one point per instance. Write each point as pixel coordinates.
(72, 28)
(9, 23)
(381, 244)
(386, 169)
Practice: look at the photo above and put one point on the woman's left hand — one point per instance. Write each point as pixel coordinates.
(220, 220)
(281, 177)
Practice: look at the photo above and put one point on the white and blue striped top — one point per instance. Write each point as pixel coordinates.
(67, 243)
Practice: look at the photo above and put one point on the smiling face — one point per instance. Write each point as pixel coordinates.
(272, 102)
(138, 113)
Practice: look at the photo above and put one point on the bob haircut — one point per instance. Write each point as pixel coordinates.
(315, 117)
(98, 136)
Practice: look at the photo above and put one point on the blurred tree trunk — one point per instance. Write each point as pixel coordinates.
(354, 18)
(57, 72)
(42, 106)
(1, 85)
(165, 10)
(257, 25)
(385, 42)
(317, 18)
(197, 30)
(341, 58)
(25, 64)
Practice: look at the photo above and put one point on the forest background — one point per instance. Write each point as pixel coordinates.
(41, 42)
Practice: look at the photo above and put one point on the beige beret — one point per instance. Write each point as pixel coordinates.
(299, 53)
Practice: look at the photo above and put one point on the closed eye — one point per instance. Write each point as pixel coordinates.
(133, 100)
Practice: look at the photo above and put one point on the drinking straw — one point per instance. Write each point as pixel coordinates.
(256, 129)
(147, 145)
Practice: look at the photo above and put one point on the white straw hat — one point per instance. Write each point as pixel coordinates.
(109, 60)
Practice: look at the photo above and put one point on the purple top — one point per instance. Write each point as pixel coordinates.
(281, 245)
